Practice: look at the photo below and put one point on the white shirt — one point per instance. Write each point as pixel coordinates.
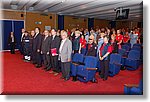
(36, 35)
(12, 39)
(45, 37)
(61, 45)
(53, 37)
(22, 36)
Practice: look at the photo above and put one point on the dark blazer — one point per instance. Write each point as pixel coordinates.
(46, 45)
(92, 51)
(37, 42)
(55, 43)
(10, 40)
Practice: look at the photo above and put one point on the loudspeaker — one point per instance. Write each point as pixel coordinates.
(21, 15)
(50, 17)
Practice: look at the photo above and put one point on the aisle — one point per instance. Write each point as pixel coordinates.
(23, 78)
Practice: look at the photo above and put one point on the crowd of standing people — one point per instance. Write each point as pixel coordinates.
(53, 49)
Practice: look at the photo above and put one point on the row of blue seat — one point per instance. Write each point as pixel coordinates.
(85, 67)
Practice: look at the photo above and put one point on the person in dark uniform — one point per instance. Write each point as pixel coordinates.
(31, 44)
(104, 53)
(91, 47)
(21, 44)
(54, 49)
(76, 42)
(12, 42)
(45, 50)
(26, 46)
(37, 41)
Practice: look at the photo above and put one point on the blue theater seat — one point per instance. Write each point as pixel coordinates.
(87, 72)
(122, 52)
(132, 62)
(76, 60)
(133, 89)
(114, 64)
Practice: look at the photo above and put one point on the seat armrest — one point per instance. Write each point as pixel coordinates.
(91, 68)
(131, 85)
(117, 64)
(76, 64)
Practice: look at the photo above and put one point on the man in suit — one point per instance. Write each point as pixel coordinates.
(37, 41)
(21, 44)
(65, 51)
(55, 43)
(45, 50)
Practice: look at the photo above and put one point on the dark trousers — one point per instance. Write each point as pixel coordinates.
(76, 51)
(104, 68)
(12, 48)
(38, 58)
(34, 57)
(54, 62)
(21, 48)
(65, 68)
(46, 60)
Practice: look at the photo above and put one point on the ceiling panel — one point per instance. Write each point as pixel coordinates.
(103, 9)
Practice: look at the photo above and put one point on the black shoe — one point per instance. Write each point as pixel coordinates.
(38, 66)
(104, 79)
(47, 69)
(74, 78)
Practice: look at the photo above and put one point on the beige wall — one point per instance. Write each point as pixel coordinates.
(99, 23)
(70, 22)
(31, 18)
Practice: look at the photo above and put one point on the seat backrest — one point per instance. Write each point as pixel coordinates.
(90, 61)
(126, 47)
(115, 58)
(129, 44)
(133, 54)
(137, 45)
(138, 48)
(121, 52)
(78, 57)
(141, 84)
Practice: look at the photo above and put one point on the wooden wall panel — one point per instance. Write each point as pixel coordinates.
(99, 23)
(73, 22)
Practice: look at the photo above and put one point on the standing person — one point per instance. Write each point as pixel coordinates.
(21, 44)
(126, 38)
(12, 42)
(76, 42)
(100, 41)
(31, 44)
(119, 39)
(37, 41)
(26, 46)
(45, 50)
(91, 47)
(54, 48)
(65, 51)
(104, 54)
(82, 48)
(133, 38)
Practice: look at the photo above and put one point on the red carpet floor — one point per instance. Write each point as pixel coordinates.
(23, 78)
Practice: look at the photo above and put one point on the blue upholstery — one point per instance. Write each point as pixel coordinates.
(85, 75)
(132, 62)
(129, 44)
(134, 90)
(114, 64)
(137, 45)
(77, 58)
(138, 48)
(122, 52)
(126, 47)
